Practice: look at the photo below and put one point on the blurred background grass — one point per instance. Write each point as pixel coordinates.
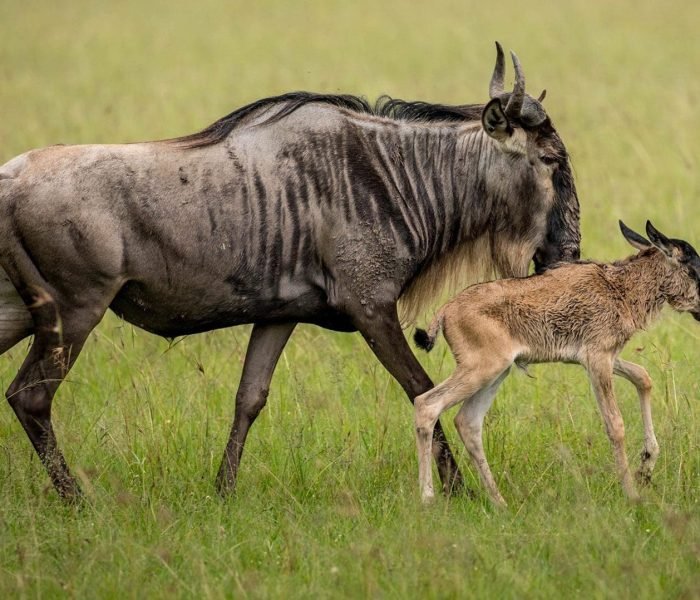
(328, 502)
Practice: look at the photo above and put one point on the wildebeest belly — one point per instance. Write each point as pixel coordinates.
(183, 311)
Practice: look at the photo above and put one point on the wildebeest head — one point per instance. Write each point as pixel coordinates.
(535, 153)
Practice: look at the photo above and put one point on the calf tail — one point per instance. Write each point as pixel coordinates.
(426, 339)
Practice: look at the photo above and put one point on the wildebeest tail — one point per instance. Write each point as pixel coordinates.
(16, 322)
(426, 339)
(46, 317)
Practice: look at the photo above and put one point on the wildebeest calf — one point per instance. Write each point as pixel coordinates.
(582, 313)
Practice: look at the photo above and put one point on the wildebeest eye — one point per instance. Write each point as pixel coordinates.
(549, 160)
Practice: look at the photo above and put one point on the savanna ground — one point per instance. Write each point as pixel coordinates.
(327, 504)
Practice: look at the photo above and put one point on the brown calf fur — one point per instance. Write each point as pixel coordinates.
(582, 313)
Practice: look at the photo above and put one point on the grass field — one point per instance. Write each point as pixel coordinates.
(328, 503)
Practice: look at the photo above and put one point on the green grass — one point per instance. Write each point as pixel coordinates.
(328, 501)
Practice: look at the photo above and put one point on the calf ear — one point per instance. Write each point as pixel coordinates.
(634, 238)
(660, 241)
(494, 120)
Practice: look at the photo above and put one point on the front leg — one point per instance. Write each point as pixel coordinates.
(600, 371)
(639, 377)
(381, 329)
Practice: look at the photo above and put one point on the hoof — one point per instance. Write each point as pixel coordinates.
(427, 497)
(456, 487)
(499, 503)
(643, 477)
(633, 496)
(225, 487)
(69, 491)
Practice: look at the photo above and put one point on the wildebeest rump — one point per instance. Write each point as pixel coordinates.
(299, 208)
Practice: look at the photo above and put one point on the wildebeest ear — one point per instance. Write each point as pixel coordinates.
(637, 241)
(495, 121)
(668, 247)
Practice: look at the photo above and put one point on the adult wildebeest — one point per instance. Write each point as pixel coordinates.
(299, 208)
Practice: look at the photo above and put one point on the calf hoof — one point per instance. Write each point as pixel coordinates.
(499, 502)
(633, 496)
(427, 498)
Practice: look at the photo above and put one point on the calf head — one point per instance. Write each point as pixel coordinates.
(681, 284)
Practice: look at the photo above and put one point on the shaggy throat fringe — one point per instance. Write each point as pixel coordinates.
(472, 262)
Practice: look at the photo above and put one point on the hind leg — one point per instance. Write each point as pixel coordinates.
(59, 336)
(469, 422)
(264, 349)
(428, 407)
(469, 381)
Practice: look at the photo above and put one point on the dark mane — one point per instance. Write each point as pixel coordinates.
(392, 108)
(404, 110)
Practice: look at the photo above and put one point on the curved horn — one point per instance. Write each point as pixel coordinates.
(636, 240)
(659, 239)
(499, 72)
(515, 103)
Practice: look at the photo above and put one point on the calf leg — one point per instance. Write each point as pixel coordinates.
(600, 373)
(428, 407)
(640, 379)
(465, 383)
(469, 422)
(264, 349)
(382, 331)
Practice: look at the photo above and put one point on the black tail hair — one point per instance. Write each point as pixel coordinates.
(423, 340)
